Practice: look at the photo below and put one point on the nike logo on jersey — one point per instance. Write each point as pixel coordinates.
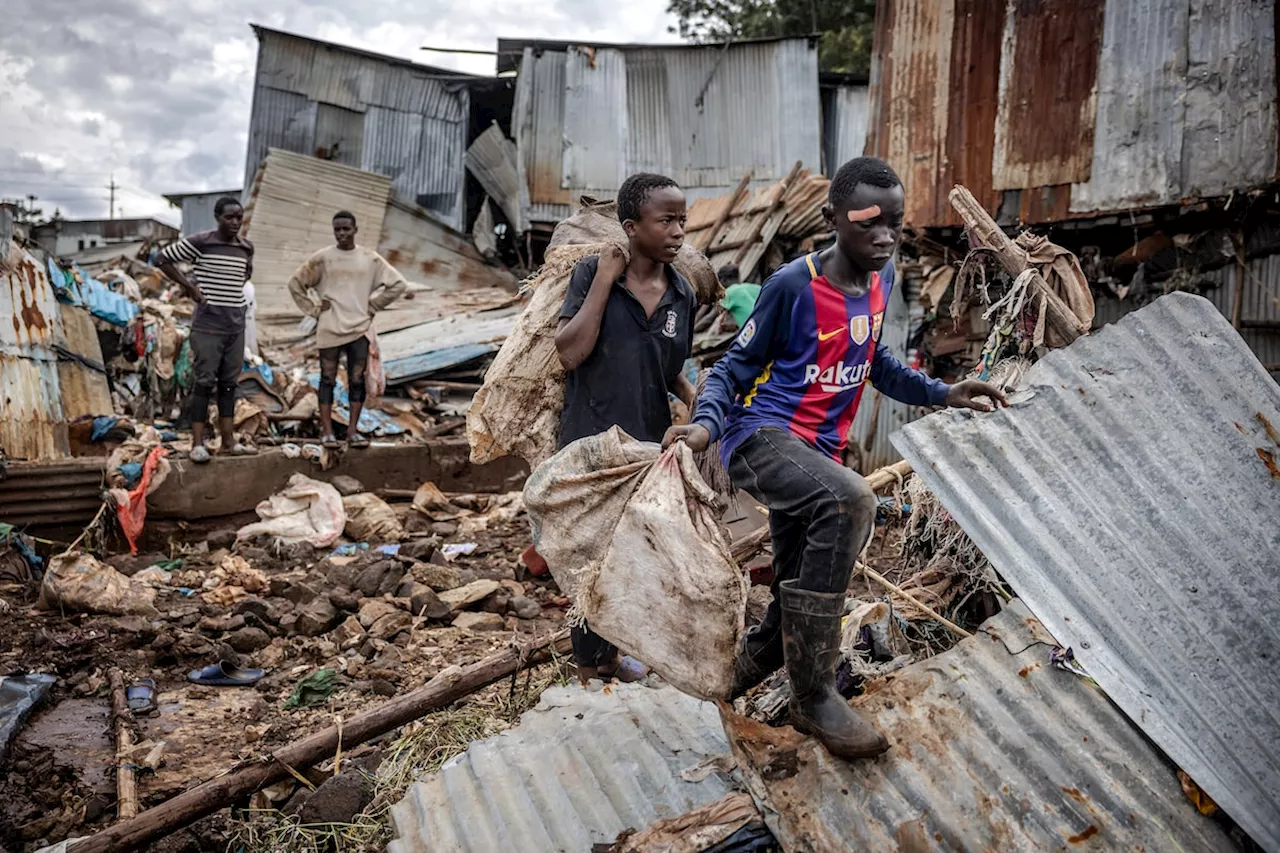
(826, 336)
(840, 377)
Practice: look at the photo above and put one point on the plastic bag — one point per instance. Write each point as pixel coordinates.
(306, 511)
(632, 535)
(79, 582)
(371, 519)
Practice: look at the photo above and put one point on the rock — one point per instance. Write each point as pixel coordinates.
(259, 608)
(248, 640)
(317, 617)
(349, 633)
(444, 528)
(380, 578)
(126, 564)
(496, 603)
(347, 485)
(389, 658)
(382, 687)
(469, 594)
(391, 624)
(423, 601)
(419, 549)
(338, 800)
(299, 593)
(289, 623)
(342, 574)
(513, 587)
(273, 655)
(439, 578)
(224, 538)
(345, 599)
(221, 624)
(479, 622)
(374, 609)
(525, 608)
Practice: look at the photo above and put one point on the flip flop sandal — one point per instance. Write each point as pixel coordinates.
(199, 455)
(141, 696)
(359, 441)
(243, 450)
(330, 442)
(223, 674)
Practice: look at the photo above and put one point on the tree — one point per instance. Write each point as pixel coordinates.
(845, 25)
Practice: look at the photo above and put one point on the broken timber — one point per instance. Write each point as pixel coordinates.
(203, 800)
(126, 781)
(1058, 314)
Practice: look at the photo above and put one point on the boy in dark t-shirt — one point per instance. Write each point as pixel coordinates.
(625, 331)
(781, 403)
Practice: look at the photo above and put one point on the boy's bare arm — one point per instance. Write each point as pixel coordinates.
(576, 336)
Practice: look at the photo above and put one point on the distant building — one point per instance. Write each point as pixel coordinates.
(68, 236)
(197, 209)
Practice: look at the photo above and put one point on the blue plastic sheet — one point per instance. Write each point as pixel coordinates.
(102, 426)
(132, 473)
(372, 421)
(102, 302)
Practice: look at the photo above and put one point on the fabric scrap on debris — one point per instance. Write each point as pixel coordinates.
(315, 689)
(131, 505)
(102, 426)
(306, 510)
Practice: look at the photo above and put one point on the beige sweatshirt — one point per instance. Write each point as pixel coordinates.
(357, 284)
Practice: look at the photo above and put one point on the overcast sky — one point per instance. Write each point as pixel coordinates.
(157, 93)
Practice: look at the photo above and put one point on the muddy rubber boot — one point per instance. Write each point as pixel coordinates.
(759, 657)
(811, 639)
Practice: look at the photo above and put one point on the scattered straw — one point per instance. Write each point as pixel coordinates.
(422, 748)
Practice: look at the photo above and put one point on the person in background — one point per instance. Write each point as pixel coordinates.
(626, 329)
(739, 297)
(781, 402)
(222, 262)
(343, 286)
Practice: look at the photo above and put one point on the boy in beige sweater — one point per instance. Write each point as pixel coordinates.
(343, 286)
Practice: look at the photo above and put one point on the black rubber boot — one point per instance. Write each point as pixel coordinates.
(811, 639)
(759, 657)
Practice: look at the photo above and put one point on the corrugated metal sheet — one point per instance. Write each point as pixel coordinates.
(32, 424)
(992, 750)
(444, 341)
(595, 119)
(1048, 84)
(579, 769)
(289, 216)
(704, 115)
(494, 160)
(85, 391)
(846, 127)
(63, 492)
(1126, 497)
(378, 113)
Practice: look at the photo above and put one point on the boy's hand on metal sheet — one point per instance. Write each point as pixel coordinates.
(694, 435)
(964, 395)
(613, 263)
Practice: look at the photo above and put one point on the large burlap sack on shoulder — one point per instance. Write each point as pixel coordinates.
(632, 535)
(517, 410)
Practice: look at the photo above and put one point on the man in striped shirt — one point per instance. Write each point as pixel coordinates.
(222, 262)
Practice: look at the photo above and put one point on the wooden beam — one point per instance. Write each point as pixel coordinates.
(704, 242)
(758, 227)
(126, 781)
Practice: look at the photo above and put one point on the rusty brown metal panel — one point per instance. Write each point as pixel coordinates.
(975, 97)
(915, 116)
(881, 79)
(32, 425)
(1045, 204)
(1048, 93)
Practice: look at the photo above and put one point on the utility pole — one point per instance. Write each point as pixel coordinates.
(113, 187)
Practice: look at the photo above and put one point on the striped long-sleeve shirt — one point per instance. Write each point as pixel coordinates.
(220, 269)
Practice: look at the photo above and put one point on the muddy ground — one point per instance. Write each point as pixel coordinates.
(59, 780)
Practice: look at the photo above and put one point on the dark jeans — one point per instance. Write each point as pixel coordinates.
(821, 513)
(590, 649)
(218, 361)
(357, 353)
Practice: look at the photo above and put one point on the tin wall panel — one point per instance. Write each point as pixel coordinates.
(847, 130)
(1127, 496)
(279, 119)
(976, 53)
(595, 119)
(649, 137)
(1048, 85)
(1229, 139)
(32, 424)
(543, 143)
(339, 135)
(493, 159)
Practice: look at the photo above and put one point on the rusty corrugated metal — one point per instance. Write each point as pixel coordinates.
(85, 390)
(383, 114)
(975, 72)
(1048, 86)
(65, 491)
(32, 424)
(993, 749)
(494, 159)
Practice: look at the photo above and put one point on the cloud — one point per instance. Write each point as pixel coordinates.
(157, 95)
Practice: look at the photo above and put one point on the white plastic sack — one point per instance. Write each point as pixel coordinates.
(632, 535)
(306, 511)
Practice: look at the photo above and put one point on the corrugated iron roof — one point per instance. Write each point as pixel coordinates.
(992, 750)
(579, 769)
(32, 424)
(1129, 495)
(494, 159)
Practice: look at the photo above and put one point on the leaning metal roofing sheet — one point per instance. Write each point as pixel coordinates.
(579, 769)
(992, 749)
(1129, 495)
